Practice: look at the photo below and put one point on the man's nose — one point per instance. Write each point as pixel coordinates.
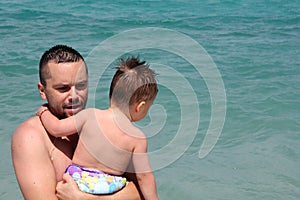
(73, 96)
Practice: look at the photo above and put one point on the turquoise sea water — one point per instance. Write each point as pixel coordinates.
(255, 46)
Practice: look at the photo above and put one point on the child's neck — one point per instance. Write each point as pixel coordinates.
(124, 122)
(120, 111)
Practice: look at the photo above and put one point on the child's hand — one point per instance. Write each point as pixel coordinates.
(41, 110)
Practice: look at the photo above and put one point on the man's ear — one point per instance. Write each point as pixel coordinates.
(140, 106)
(42, 91)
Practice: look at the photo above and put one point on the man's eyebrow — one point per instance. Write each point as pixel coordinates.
(60, 85)
(83, 80)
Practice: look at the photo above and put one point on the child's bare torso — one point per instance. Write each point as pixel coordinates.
(106, 142)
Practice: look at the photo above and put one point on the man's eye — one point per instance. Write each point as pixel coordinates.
(62, 89)
(81, 86)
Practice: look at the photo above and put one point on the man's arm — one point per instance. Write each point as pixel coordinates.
(33, 167)
(68, 190)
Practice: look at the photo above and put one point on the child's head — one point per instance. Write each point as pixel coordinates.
(133, 87)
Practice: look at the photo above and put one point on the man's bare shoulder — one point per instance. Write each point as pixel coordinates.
(28, 130)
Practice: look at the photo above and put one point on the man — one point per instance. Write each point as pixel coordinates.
(40, 159)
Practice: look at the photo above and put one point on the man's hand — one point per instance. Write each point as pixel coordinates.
(67, 189)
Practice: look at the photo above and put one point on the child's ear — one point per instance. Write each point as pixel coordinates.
(42, 91)
(140, 106)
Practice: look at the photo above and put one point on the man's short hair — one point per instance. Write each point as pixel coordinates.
(56, 54)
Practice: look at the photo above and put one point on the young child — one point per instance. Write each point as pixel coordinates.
(109, 143)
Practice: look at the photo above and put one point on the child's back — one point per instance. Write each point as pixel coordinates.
(107, 141)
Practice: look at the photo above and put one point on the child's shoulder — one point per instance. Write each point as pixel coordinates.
(90, 110)
(135, 132)
(103, 114)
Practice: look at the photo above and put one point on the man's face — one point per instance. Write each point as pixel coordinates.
(67, 89)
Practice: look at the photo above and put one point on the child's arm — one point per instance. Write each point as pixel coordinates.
(63, 127)
(143, 171)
